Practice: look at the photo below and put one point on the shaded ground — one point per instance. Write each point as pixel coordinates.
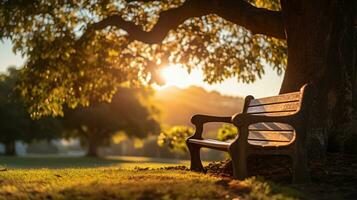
(336, 178)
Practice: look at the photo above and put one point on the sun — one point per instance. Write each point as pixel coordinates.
(176, 75)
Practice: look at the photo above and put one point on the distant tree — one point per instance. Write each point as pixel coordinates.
(96, 124)
(227, 132)
(174, 138)
(15, 121)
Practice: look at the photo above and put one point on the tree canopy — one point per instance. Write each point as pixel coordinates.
(15, 121)
(78, 51)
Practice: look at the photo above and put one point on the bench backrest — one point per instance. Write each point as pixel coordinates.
(284, 104)
(269, 133)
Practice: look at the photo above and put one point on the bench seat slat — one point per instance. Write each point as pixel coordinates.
(216, 144)
(211, 143)
(261, 138)
(267, 143)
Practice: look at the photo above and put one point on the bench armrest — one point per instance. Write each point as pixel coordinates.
(199, 120)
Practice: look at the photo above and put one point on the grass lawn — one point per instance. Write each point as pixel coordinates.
(124, 162)
(122, 178)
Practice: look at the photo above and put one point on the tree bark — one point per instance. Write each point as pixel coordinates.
(10, 149)
(92, 150)
(322, 51)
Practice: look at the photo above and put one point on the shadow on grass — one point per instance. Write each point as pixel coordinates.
(83, 162)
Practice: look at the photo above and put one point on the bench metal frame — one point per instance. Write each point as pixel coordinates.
(239, 149)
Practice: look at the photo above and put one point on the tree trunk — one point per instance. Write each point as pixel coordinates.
(10, 149)
(92, 147)
(322, 51)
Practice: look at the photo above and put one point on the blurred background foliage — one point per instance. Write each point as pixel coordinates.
(130, 112)
(15, 122)
(175, 138)
(227, 132)
(127, 113)
(129, 125)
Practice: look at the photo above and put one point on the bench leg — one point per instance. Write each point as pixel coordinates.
(196, 164)
(300, 168)
(239, 161)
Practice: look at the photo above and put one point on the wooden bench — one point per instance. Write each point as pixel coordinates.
(267, 126)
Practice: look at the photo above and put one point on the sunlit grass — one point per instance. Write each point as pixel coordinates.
(124, 178)
(123, 162)
(107, 183)
(113, 183)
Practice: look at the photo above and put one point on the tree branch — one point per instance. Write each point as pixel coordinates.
(257, 20)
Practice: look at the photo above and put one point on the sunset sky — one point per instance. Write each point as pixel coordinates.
(176, 76)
